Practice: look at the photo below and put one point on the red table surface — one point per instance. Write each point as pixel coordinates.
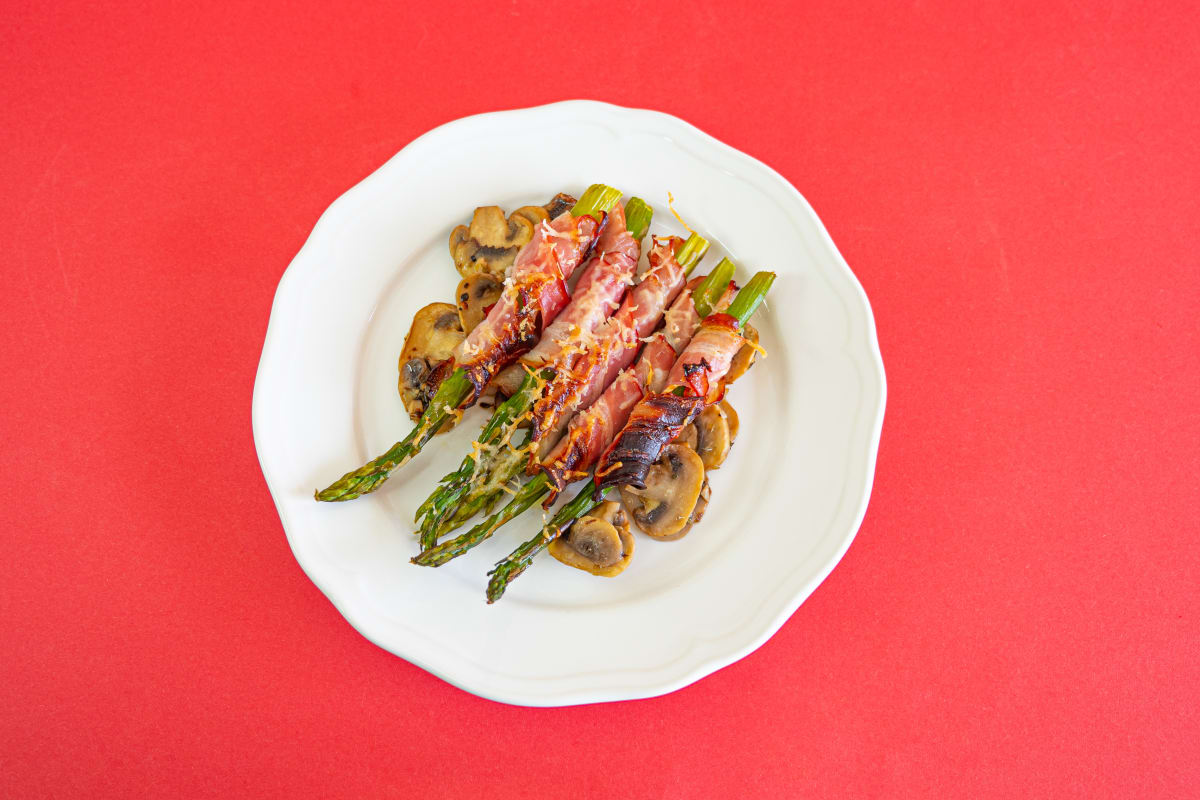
(1016, 188)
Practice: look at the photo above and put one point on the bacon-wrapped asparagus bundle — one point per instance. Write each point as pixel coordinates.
(617, 342)
(613, 347)
(590, 430)
(694, 382)
(600, 289)
(534, 293)
(705, 295)
(744, 305)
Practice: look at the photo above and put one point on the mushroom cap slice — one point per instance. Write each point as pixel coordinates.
(599, 543)
(491, 242)
(732, 418)
(689, 436)
(673, 485)
(426, 356)
(535, 214)
(698, 511)
(475, 294)
(490, 229)
(743, 359)
(713, 439)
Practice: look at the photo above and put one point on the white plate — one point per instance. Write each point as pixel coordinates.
(785, 506)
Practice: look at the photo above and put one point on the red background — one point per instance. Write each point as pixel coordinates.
(1016, 188)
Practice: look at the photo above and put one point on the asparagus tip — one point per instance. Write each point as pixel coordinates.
(751, 296)
(596, 200)
(638, 214)
(691, 251)
(709, 291)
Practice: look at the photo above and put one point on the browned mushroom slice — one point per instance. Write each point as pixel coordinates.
(425, 359)
(561, 202)
(599, 543)
(712, 436)
(689, 436)
(490, 243)
(743, 359)
(698, 511)
(732, 418)
(475, 295)
(535, 214)
(673, 485)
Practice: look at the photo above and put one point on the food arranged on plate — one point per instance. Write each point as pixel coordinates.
(619, 382)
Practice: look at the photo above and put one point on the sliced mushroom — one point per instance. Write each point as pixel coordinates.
(732, 418)
(712, 436)
(673, 486)
(475, 295)
(698, 511)
(599, 543)
(535, 214)
(689, 436)
(561, 202)
(491, 242)
(743, 359)
(425, 359)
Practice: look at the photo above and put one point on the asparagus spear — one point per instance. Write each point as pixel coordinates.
(525, 497)
(704, 297)
(508, 569)
(638, 214)
(452, 393)
(453, 487)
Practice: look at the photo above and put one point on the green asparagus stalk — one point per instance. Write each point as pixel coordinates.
(525, 497)
(638, 214)
(453, 392)
(751, 297)
(508, 569)
(511, 567)
(704, 296)
(482, 493)
(495, 428)
(367, 478)
(454, 486)
(707, 294)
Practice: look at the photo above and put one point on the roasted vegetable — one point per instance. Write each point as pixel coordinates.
(598, 542)
(475, 295)
(673, 484)
(491, 242)
(745, 356)
(426, 357)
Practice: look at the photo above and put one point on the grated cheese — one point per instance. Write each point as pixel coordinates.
(671, 205)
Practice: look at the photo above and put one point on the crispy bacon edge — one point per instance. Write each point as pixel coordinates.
(655, 422)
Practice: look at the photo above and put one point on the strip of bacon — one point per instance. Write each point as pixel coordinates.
(534, 293)
(599, 291)
(616, 345)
